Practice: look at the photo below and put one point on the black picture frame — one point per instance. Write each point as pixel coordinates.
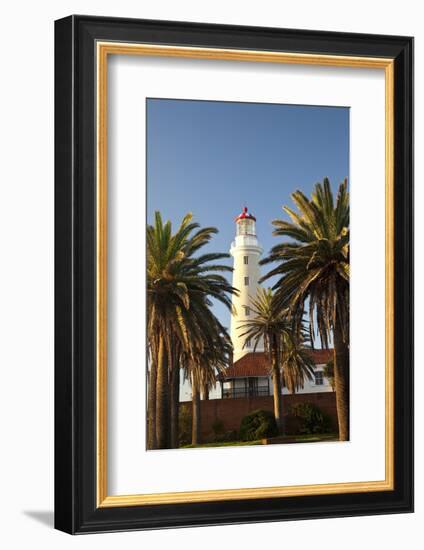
(75, 275)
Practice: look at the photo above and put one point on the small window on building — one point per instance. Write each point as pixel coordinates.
(319, 378)
(247, 311)
(246, 260)
(246, 281)
(248, 342)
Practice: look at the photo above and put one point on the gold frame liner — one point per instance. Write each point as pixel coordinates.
(104, 49)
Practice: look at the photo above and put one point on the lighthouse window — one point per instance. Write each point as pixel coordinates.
(247, 311)
(246, 260)
(248, 342)
(246, 281)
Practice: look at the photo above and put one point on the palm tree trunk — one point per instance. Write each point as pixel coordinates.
(151, 407)
(205, 392)
(175, 403)
(162, 402)
(195, 431)
(341, 382)
(278, 401)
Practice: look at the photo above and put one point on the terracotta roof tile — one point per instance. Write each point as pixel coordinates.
(257, 364)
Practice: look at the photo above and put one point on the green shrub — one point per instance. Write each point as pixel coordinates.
(258, 425)
(218, 428)
(184, 426)
(221, 435)
(312, 419)
(228, 436)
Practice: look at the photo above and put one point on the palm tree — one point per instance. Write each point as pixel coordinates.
(329, 373)
(297, 363)
(180, 285)
(313, 272)
(203, 369)
(152, 354)
(177, 362)
(274, 329)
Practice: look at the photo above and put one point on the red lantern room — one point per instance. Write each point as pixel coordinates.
(246, 223)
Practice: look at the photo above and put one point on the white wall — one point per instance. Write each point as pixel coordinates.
(310, 386)
(26, 300)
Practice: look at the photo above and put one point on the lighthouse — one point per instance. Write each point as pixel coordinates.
(249, 373)
(246, 251)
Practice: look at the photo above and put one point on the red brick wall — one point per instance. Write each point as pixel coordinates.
(231, 411)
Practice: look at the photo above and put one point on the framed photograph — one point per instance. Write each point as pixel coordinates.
(233, 274)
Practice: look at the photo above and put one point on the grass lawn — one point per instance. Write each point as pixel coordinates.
(304, 438)
(224, 444)
(309, 438)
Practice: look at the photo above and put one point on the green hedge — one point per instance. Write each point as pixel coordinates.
(312, 419)
(258, 425)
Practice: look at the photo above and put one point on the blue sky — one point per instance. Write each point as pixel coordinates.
(212, 158)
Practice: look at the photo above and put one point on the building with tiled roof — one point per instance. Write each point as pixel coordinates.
(250, 376)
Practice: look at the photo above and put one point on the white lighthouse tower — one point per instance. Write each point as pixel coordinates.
(246, 251)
